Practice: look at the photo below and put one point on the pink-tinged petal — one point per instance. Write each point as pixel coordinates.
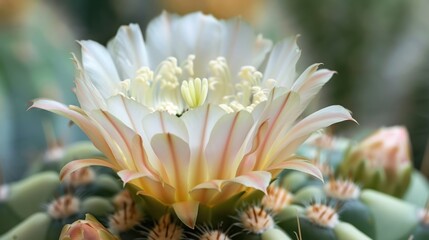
(79, 119)
(216, 191)
(302, 130)
(130, 112)
(258, 180)
(187, 212)
(129, 51)
(119, 137)
(99, 67)
(162, 122)
(321, 119)
(280, 115)
(175, 155)
(282, 61)
(201, 121)
(141, 159)
(310, 82)
(284, 112)
(300, 165)
(212, 184)
(78, 164)
(163, 192)
(129, 175)
(226, 141)
(286, 150)
(249, 160)
(87, 94)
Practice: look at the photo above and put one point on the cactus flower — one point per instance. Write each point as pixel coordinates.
(190, 115)
(382, 161)
(89, 228)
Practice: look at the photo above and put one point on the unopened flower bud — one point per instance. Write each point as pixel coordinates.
(89, 228)
(382, 161)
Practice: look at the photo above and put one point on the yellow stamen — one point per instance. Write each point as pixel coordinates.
(195, 91)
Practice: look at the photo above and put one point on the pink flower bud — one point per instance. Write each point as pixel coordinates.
(382, 161)
(89, 228)
(387, 148)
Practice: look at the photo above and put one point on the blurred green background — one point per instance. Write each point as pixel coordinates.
(380, 49)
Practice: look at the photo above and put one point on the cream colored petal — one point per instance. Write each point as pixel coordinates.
(298, 164)
(87, 126)
(283, 113)
(200, 122)
(248, 162)
(187, 212)
(127, 175)
(141, 159)
(118, 137)
(174, 153)
(99, 67)
(281, 65)
(130, 112)
(302, 130)
(258, 180)
(128, 50)
(163, 122)
(310, 82)
(280, 114)
(216, 191)
(226, 141)
(81, 163)
(161, 191)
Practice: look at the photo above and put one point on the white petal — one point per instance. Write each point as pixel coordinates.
(128, 50)
(241, 46)
(130, 112)
(282, 62)
(160, 41)
(87, 94)
(99, 67)
(206, 38)
(199, 35)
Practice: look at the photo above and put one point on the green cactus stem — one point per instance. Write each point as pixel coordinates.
(38, 188)
(393, 218)
(34, 227)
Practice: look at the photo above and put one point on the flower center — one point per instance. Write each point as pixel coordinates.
(175, 89)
